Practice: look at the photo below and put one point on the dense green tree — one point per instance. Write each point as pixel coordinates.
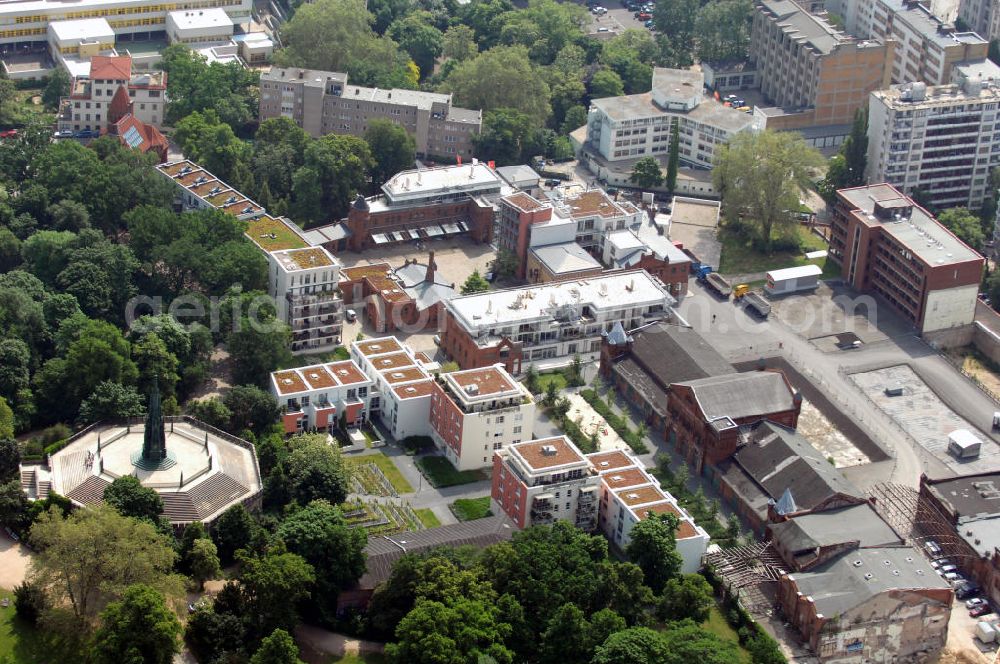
(688, 596)
(675, 21)
(638, 645)
(211, 411)
(279, 150)
(502, 77)
(203, 561)
(316, 471)
(723, 30)
(56, 87)
(460, 631)
(272, 585)
(129, 498)
(545, 27)
(335, 169)
(206, 139)
(336, 35)
(575, 118)
(687, 642)
(215, 635)
(459, 43)
(6, 420)
(278, 648)
(257, 348)
(156, 364)
(139, 628)
(91, 556)
(475, 284)
(647, 174)
(10, 250)
(385, 12)
(320, 534)
(69, 215)
(8, 100)
(567, 637)
(761, 175)
(606, 83)
(653, 547)
(30, 602)
(963, 224)
(847, 167)
(195, 85)
(233, 531)
(416, 34)
(14, 506)
(10, 459)
(506, 136)
(393, 149)
(250, 408)
(764, 649)
(111, 401)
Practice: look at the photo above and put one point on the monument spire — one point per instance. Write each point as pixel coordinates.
(154, 441)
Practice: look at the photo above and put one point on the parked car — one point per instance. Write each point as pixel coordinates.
(967, 590)
(950, 576)
(63, 133)
(10, 133)
(975, 601)
(643, 16)
(649, 23)
(932, 548)
(980, 610)
(944, 569)
(351, 315)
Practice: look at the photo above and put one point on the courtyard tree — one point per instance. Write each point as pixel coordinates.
(761, 177)
(203, 561)
(646, 174)
(129, 498)
(688, 596)
(277, 648)
(475, 284)
(316, 471)
(653, 547)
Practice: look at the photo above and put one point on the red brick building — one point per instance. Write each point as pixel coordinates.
(704, 416)
(886, 244)
(517, 213)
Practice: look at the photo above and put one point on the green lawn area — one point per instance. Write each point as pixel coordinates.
(717, 624)
(20, 643)
(387, 467)
(556, 377)
(27, 109)
(440, 473)
(296, 361)
(428, 517)
(740, 257)
(469, 509)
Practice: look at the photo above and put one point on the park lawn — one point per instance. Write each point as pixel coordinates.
(428, 517)
(740, 257)
(440, 473)
(388, 468)
(470, 509)
(20, 643)
(557, 377)
(717, 624)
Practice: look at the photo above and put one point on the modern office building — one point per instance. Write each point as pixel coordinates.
(812, 72)
(24, 25)
(110, 92)
(403, 383)
(322, 102)
(419, 205)
(477, 412)
(321, 396)
(538, 482)
(926, 47)
(620, 128)
(554, 320)
(888, 245)
(939, 139)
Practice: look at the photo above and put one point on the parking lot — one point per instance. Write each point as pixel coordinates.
(617, 20)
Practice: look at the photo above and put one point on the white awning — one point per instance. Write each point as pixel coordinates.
(378, 238)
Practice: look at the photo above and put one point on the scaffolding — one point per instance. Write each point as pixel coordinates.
(749, 574)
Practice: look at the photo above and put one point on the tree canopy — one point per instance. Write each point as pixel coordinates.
(138, 628)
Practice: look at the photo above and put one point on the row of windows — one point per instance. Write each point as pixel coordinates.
(121, 11)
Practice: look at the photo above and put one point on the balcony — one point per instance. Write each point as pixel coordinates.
(305, 299)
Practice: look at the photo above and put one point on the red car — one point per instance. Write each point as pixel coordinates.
(10, 133)
(644, 16)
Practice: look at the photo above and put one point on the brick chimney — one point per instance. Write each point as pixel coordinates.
(431, 267)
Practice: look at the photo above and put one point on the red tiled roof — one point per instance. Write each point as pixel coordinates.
(120, 105)
(152, 139)
(114, 68)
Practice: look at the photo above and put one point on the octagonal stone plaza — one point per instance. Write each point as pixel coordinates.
(206, 471)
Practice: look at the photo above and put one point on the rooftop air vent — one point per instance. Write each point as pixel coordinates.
(548, 450)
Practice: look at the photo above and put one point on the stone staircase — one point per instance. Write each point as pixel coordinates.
(88, 492)
(28, 482)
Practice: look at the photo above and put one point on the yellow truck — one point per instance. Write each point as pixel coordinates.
(739, 290)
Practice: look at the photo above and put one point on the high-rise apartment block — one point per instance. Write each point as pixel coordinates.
(476, 412)
(632, 126)
(807, 65)
(944, 140)
(888, 245)
(926, 47)
(322, 102)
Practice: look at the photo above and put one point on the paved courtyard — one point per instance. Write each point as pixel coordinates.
(925, 417)
(826, 438)
(456, 258)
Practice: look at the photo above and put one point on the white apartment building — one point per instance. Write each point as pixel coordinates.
(477, 412)
(320, 396)
(631, 126)
(943, 139)
(538, 482)
(630, 494)
(551, 320)
(25, 24)
(303, 279)
(982, 16)
(926, 48)
(200, 190)
(403, 382)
